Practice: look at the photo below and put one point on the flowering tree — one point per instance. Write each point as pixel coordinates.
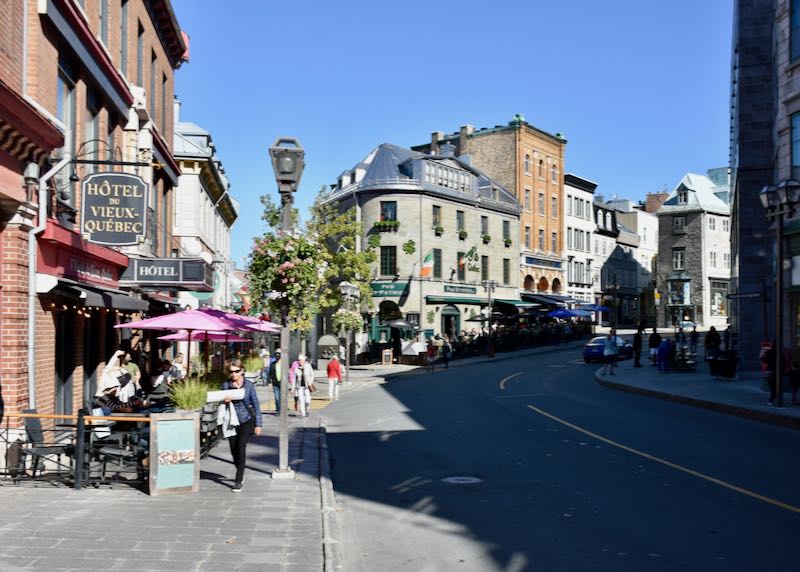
(347, 320)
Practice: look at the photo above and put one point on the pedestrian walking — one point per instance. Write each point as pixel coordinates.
(694, 337)
(334, 378)
(248, 414)
(431, 355)
(652, 344)
(301, 382)
(680, 339)
(446, 350)
(637, 348)
(275, 374)
(610, 352)
(768, 359)
(712, 344)
(267, 362)
(726, 338)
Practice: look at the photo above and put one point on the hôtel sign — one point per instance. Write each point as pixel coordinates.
(114, 209)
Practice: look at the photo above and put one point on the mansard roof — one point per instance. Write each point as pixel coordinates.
(701, 195)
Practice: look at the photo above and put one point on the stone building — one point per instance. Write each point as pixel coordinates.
(441, 227)
(615, 277)
(529, 163)
(765, 130)
(86, 85)
(579, 232)
(205, 212)
(694, 257)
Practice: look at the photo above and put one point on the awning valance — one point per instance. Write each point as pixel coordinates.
(99, 297)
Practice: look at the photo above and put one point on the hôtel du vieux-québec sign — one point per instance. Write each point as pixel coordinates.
(114, 209)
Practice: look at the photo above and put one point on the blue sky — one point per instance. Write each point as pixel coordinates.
(639, 89)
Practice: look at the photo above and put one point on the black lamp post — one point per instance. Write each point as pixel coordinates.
(779, 200)
(287, 162)
(350, 295)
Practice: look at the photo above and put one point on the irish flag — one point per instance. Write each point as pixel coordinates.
(426, 270)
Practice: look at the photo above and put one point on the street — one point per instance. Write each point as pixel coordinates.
(570, 475)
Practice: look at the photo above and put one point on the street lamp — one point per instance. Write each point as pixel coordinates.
(287, 162)
(779, 200)
(489, 286)
(350, 294)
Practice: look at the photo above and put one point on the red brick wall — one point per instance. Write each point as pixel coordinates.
(11, 27)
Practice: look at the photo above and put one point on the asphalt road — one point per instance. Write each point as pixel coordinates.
(573, 476)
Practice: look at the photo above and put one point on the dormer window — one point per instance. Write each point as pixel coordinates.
(683, 196)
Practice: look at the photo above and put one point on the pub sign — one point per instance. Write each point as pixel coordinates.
(114, 209)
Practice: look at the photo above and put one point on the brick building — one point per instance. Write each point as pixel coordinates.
(84, 85)
(529, 163)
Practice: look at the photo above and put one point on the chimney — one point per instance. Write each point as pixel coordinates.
(436, 136)
(466, 131)
(176, 111)
(654, 201)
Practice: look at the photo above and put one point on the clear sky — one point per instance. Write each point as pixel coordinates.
(639, 89)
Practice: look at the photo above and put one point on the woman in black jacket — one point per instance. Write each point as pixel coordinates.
(248, 410)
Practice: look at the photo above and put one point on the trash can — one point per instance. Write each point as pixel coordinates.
(724, 365)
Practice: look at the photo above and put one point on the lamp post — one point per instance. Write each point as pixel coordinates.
(489, 286)
(287, 162)
(350, 294)
(779, 200)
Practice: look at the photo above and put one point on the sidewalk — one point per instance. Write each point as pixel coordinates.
(743, 398)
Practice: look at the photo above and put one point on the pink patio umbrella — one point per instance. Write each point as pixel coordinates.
(189, 320)
(245, 323)
(204, 337)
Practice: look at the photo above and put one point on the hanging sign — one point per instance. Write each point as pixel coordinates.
(114, 209)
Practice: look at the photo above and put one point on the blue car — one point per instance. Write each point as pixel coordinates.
(593, 350)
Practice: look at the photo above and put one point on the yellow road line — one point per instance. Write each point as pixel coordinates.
(512, 376)
(686, 470)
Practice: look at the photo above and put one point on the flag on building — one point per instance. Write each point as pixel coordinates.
(467, 256)
(426, 270)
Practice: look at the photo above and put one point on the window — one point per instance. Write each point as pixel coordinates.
(164, 103)
(541, 239)
(795, 121)
(679, 224)
(554, 207)
(65, 111)
(712, 223)
(596, 246)
(554, 242)
(413, 318)
(553, 174)
(506, 271)
(794, 38)
(540, 204)
(437, 262)
(388, 260)
(104, 22)
(437, 216)
(139, 55)
(151, 95)
(683, 197)
(527, 164)
(527, 203)
(726, 260)
(484, 267)
(462, 268)
(541, 169)
(388, 210)
(484, 225)
(460, 221)
(110, 138)
(719, 298)
(527, 237)
(506, 230)
(123, 38)
(713, 259)
(91, 131)
(726, 225)
(569, 237)
(569, 204)
(679, 259)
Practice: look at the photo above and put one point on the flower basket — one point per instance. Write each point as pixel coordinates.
(462, 234)
(486, 239)
(439, 230)
(508, 242)
(347, 320)
(386, 225)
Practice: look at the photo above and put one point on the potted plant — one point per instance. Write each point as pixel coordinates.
(507, 242)
(386, 225)
(462, 234)
(189, 394)
(486, 238)
(252, 365)
(439, 230)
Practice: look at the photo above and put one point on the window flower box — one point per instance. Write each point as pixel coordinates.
(462, 234)
(487, 239)
(386, 225)
(439, 230)
(508, 242)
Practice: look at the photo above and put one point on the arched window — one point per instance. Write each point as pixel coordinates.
(541, 168)
(528, 283)
(608, 221)
(553, 174)
(527, 164)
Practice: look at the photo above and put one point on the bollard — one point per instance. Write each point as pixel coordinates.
(80, 446)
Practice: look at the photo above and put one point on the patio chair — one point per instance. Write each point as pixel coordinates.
(39, 450)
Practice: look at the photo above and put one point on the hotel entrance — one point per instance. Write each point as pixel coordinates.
(451, 321)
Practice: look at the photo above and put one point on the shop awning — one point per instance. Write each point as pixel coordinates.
(456, 300)
(99, 297)
(550, 299)
(518, 303)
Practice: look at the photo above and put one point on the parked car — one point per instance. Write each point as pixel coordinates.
(593, 350)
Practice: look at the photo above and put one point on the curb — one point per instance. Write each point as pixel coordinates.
(332, 557)
(755, 415)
